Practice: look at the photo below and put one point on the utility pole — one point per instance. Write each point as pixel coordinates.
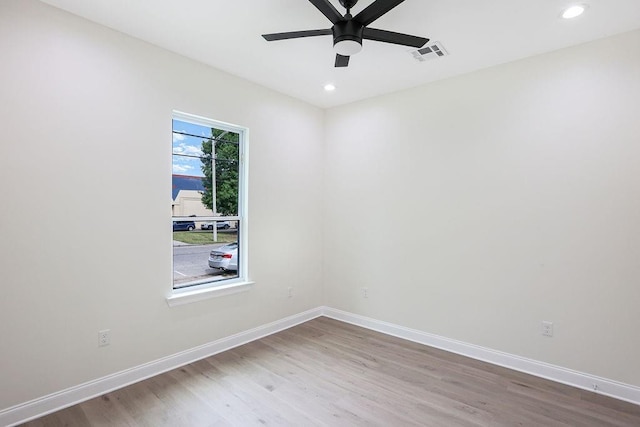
(214, 204)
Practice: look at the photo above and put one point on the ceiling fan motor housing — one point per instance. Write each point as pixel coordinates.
(348, 30)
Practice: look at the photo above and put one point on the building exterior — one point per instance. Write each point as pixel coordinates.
(187, 196)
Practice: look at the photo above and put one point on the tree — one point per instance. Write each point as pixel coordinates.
(227, 155)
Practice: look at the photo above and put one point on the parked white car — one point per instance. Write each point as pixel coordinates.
(220, 225)
(225, 257)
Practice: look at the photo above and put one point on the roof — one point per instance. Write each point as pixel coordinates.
(185, 182)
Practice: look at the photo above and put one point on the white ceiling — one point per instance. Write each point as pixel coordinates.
(226, 34)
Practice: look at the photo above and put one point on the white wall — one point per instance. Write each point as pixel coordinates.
(476, 207)
(86, 128)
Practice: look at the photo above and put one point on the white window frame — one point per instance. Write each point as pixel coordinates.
(207, 288)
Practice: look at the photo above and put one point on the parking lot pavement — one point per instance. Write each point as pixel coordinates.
(191, 262)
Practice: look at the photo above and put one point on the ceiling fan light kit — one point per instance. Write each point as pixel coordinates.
(347, 37)
(349, 31)
(347, 47)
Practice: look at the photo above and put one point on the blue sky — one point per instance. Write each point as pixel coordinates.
(188, 145)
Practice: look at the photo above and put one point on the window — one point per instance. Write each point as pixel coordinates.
(208, 203)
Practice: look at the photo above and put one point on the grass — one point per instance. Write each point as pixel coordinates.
(204, 237)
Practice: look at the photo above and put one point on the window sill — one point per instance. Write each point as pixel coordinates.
(180, 297)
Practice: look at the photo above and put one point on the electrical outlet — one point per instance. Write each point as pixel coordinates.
(290, 292)
(365, 292)
(104, 337)
(547, 328)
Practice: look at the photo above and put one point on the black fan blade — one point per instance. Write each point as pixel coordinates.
(376, 10)
(296, 34)
(327, 10)
(342, 61)
(395, 38)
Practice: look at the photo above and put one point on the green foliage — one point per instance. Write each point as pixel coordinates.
(227, 157)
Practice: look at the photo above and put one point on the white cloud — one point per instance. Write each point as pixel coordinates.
(177, 137)
(187, 150)
(182, 168)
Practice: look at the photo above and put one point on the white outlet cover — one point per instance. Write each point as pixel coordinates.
(547, 328)
(104, 337)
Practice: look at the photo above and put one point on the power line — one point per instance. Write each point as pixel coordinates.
(216, 139)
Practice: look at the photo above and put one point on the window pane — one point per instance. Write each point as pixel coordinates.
(206, 169)
(203, 259)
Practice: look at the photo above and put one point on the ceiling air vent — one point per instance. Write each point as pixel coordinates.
(431, 50)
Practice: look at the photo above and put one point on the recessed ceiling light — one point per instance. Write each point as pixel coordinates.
(329, 87)
(573, 11)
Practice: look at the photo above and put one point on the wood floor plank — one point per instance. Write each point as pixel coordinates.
(328, 373)
(353, 375)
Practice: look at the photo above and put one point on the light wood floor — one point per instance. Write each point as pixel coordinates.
(325, 372)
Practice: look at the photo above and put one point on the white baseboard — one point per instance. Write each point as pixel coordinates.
(558, 374)
(36, 408)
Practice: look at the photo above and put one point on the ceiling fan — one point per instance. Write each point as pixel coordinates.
(349, 31)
